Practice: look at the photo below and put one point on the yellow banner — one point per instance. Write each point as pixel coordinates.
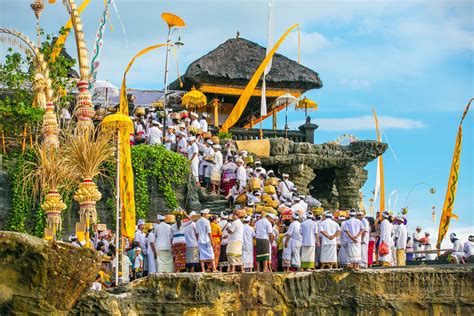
(127, 195)
(452, 185)
(244, 98)
(123, 89)
(382, 179)
(259, 147)
(62, 38)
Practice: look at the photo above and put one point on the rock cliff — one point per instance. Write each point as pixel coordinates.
(330, 172)
(396, 291)
(40, 277)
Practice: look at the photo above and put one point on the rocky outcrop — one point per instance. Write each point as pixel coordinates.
(40, 277)
(396, 291)
(330, 172)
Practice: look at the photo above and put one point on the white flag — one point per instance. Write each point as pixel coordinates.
(263, 107)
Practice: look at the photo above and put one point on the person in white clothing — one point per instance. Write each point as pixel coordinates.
(241, 173)
(364, 245)
(151, 251)
(417, 244)
(194, 120)
(385, 251)
(170, 138)
(191, 239)
(401, 239)
(264, 238)
(223, 224)
(126, 268)
(193, 158)
(286, 187)
(329, 230)
(309, 233)
(247, 246)
(203, 122)
(294, 233)
(140, 236)
(234, 246)
(458, 250)
(216, 169)
(206, 251)
(352, 231)
(155, 134)
(469, 248)
(164, 256)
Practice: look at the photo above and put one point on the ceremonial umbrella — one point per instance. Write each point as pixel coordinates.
(286, 99)
(104, 89)
(306, 104)
(194, 99)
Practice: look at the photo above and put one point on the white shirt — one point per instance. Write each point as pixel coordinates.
(163, 236)
(365, 239)
(183, 145)
(263, 228)
(386, 232)
(285, 189)
(241, 175)
(468, 249)
(193, 149)
(204, 125)
(299, 207)
(204, 229)
(225, 234)
(171, 140)
(195, 124)
(190, 232)
(65, 115)
(141, 238)
(236, 231)
(178, 234)
(126, 264)
(249, 235)
(457, 246)
(154, 134)
(354, 227)
(151, 238)
(330, 227)
(402, 237)
(218, 162)
(294, 231)
(309, 229)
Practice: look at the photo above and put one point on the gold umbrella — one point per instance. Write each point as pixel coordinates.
(173, 20)
(194, 99)
(306, 104)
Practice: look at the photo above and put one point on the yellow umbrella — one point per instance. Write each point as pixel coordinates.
(118, 121)
(194, 99)
(306, 104)
(173, 20)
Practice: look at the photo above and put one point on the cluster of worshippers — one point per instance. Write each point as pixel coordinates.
(236, 242)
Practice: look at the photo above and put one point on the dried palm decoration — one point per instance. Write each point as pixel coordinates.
(86, 154)
(42, 83)
(49, 177)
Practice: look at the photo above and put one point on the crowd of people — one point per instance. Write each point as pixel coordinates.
(268, 225)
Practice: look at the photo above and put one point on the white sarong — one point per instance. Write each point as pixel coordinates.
(342, 257)
(151, 262)
(329, 253)
(296, 254)
(247, 258)
(206, 253)
(364, 249)
(353, 252)
(307, 253)
(164, 259)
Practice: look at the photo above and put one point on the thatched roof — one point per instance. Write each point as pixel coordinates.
(235, 61)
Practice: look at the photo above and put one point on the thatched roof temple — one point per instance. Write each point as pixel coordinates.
(225, 71)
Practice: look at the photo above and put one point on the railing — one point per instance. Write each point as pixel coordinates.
(304, 134)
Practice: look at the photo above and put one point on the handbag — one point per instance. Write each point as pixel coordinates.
(383, 249)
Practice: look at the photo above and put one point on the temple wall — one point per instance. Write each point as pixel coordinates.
(447, 290)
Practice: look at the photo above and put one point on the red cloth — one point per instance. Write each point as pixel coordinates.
(274, 258)
(370, 257)
(226, 186)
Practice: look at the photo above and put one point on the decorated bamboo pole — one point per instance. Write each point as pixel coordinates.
(84, 110)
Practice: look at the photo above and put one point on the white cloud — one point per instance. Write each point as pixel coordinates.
(365, 122)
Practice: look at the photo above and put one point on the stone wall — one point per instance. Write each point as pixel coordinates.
(332, 173)
(394, 291)
(40, 277)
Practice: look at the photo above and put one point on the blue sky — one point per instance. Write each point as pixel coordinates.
(412, 60)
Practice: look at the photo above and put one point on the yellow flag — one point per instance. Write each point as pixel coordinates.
(382, 179)
(244, 98)
(62, 38)
(448, 206)
(127, 194)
